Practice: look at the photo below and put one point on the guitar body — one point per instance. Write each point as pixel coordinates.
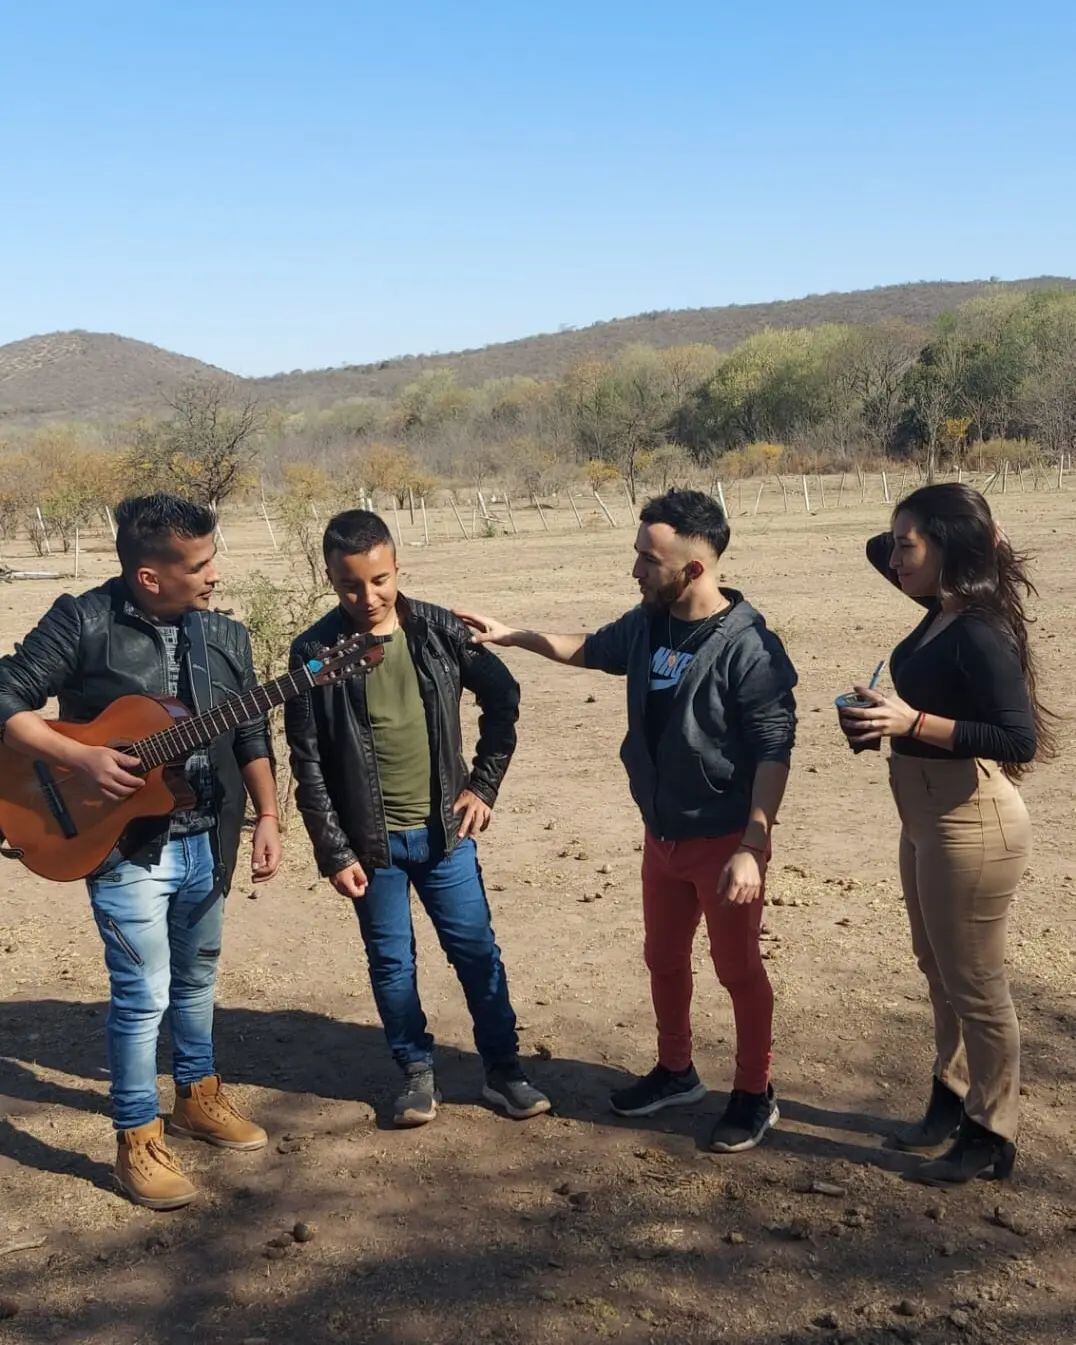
(58, 822)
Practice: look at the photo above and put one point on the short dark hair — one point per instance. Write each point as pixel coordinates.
(354, 532)
(690, 513)
(147, 524)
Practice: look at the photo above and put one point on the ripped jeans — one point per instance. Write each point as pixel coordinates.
(162, 947)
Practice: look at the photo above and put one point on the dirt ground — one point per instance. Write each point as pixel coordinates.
(579, 1226)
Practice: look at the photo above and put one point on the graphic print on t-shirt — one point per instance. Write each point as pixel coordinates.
(667, 667)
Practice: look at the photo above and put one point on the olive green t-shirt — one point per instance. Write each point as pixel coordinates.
(401, 739)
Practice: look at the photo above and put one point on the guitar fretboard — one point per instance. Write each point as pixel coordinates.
(187, 735)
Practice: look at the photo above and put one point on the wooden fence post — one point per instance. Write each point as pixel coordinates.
(44, 534)
(575, 511)
(541, 512)
(758, 497)
(459, 520)
(608, 515)
(272, 534)
(511, 516)
(806, 496)
(425, 521)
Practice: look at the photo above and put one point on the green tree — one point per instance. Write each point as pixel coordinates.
(430, 402)
(934, 392)
(1047, 394)
(773, 386)
(621, 409)
(870, 366)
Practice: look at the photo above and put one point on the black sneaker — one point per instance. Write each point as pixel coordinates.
(417, 1104)
(746, 1119)
(509, 1088)
(660, 1088)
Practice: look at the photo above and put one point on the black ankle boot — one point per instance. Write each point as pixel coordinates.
(941, 1122)
(975, 1152)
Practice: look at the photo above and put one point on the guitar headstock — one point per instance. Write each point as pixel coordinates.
(349, 656)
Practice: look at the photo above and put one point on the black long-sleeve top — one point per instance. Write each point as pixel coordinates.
(969, 672)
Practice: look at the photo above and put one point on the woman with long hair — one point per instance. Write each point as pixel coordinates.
(966, 723)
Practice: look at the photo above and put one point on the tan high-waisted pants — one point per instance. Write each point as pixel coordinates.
(964, 845)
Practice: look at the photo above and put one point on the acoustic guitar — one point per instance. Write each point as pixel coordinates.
(60, 825)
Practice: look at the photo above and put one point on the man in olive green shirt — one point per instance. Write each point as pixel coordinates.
(389, 802)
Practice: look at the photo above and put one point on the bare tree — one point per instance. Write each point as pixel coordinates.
(207, 446)
(873, 365)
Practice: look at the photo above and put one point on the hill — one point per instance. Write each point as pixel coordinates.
(88, 376)
(96, 376)
(550, 354)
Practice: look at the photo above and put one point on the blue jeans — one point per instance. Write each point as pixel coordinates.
(162, 947)
(450, 888)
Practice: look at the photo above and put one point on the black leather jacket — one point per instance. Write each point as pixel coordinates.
(332, 747)
(89, 650)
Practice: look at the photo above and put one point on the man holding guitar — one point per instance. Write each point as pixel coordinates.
(158, 899)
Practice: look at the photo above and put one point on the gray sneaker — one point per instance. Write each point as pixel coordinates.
(745, 1121)
(417, 1104)
(508, 1088)
(657, 1090)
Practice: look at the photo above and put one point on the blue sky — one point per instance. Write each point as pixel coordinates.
(271, 186)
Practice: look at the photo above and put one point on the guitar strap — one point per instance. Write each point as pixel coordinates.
(197, 656)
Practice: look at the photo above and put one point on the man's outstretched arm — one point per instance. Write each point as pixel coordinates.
(560, 648)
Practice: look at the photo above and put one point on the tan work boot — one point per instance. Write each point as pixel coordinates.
(204, 1111)
(146, 1170)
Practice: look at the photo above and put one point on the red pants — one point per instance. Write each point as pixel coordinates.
(679, 887)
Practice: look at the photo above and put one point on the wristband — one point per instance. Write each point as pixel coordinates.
(262, 816)
(919, 720)
(755, 849)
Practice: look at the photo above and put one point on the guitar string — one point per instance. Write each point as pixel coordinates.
(156, 748)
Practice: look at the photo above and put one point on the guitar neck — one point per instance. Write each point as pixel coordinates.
(188, 735)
